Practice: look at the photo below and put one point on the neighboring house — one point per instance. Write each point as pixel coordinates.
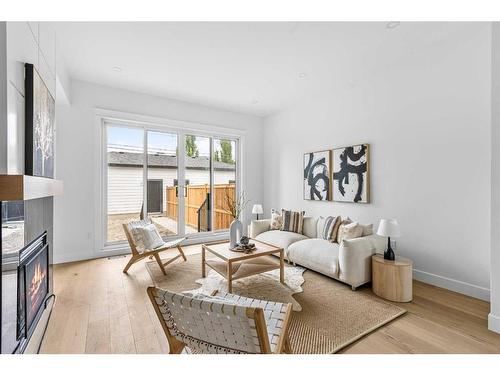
(125, 178)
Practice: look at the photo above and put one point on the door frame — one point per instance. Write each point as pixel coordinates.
(181, 128)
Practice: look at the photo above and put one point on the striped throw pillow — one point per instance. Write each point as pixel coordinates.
(292, 221)
(327, 226)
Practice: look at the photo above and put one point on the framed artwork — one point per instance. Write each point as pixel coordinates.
(39, 125)
(317, 166)
(351, 174)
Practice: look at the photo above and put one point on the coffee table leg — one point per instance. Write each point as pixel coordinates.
(229, 278)
(203, 273)
(282, 267)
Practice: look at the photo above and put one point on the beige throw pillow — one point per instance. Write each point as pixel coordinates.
(349, 231)
(276, 220)
(367, 229)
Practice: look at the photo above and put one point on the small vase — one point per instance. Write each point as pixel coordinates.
(235, 232)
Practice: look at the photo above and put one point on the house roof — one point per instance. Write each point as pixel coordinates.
(135, 159)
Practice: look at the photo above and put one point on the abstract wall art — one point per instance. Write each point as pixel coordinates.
(39, 125)
(317, 167)
(351, 177)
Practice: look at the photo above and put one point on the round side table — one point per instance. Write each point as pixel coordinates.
(392, 279)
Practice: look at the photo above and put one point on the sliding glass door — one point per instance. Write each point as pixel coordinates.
(162, 181)
(179, 180)
(125, 188)
(198, 184)
(224, 169)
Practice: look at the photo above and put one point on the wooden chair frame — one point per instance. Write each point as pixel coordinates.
(255, 313)
(138, 256)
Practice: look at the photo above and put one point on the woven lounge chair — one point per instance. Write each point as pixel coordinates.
(222, 324)
(138, 253)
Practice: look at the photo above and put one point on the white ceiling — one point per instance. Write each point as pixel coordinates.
(252, 67)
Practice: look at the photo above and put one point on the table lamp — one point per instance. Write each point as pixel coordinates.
(257, 209)
(389, 228)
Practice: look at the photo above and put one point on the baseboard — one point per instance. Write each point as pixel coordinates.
(494, 323)
(453, 285)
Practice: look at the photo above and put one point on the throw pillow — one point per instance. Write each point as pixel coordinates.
(326, 226)
(367, 229)
(349, 231)
(276, 220)
(342, 222)
(136, 232)
(292, 221)
(151, 237)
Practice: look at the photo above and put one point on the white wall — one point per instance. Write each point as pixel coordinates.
(74, 227)
(494, 317)
(27, 42)
(3, 98)
(427, 119)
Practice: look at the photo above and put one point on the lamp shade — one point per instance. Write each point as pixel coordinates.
(257, 209)
(389, 228)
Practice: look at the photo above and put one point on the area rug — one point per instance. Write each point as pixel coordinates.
(265, 286)
(332, 315)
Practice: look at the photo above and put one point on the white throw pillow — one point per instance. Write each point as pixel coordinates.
(136, 232)
(150, 237)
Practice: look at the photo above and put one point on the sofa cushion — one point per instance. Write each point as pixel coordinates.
(317, 254)
(280, 238)
(257, 227)
(309, 226)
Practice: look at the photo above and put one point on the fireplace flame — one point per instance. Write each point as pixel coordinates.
(36, 283)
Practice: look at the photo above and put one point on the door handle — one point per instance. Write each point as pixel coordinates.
(185, 191)
(177, 191)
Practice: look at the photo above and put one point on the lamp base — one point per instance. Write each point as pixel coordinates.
(389, 254)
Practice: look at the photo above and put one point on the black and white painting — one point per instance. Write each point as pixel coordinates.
(317, 175)
(39, 126)
(351, 174)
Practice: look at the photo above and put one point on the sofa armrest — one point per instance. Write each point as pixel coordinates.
(355, 264)
(257, 227)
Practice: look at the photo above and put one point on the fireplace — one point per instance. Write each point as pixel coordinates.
(33, 285)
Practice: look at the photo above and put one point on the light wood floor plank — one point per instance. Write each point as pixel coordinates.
(110, 313)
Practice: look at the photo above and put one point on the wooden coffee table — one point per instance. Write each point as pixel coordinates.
(233, 265)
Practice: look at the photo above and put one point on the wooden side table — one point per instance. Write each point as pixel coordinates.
(392, 279)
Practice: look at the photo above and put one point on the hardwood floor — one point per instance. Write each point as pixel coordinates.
(99, 309)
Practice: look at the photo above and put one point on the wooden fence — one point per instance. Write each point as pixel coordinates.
(195, 196)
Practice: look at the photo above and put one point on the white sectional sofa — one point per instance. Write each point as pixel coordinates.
(349, 262)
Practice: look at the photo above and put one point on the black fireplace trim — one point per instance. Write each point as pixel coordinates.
(30, 252)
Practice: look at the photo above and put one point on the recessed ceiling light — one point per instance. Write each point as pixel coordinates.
(116, 69)
(392, 24)
(302, 75)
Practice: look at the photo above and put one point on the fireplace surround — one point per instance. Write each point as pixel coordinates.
(32, 285)
(27, 277)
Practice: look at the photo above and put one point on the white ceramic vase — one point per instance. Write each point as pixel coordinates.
(235, 233)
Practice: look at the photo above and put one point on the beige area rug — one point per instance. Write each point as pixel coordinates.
(332, 315)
